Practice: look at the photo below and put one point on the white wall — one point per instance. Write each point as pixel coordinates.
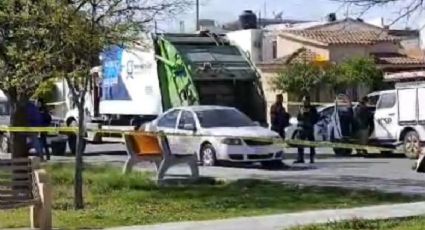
(249, 41)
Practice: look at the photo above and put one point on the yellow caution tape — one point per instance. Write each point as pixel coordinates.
(319, 103)
(56, 103)
(284, 143)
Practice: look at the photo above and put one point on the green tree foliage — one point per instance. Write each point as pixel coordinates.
(355, 71)
(300, 78)
(26, 54)
(61, 38)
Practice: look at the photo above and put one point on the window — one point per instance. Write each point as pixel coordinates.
(274, 49)
(186, 119)
(232, 118)
(373, 100)
(327, 112)
(169, 120)
(387, 101)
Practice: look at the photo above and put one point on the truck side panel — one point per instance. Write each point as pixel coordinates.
(130, 84)
(407, 106)
(421, 103)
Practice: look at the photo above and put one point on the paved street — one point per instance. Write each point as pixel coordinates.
(387, 174)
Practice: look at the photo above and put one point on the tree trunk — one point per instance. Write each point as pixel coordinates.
(78, 186)
(18, 118)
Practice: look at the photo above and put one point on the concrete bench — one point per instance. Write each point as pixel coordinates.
(146, 147)
(23, 184)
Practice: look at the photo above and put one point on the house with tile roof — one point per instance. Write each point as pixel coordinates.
(335, 46)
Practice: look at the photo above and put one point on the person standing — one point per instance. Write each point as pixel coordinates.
(362, 121)
(307, 118)
(46, 120)
(279, 117)
(34, 120)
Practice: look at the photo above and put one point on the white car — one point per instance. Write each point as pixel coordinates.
(217, 133)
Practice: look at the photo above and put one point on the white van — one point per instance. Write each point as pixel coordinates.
(400, 117)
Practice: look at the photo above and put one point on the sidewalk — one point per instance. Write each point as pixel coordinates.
(283, 221)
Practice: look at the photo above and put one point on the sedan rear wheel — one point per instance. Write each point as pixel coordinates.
(208, 156)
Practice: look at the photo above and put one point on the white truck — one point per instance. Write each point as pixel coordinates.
(399, 117)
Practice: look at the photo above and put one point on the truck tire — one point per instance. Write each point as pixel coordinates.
(411, 145)
(72, 139)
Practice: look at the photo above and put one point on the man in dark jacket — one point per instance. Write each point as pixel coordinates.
(34, 120)
(362, 121)
(46, 119)
(279, 117)
(307, 118)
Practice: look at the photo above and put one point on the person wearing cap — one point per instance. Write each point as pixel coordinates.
(279, 117)
(307, 118)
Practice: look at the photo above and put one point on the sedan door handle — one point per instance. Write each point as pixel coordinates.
(391, 114)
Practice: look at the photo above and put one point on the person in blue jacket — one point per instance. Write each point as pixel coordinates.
(34, 120)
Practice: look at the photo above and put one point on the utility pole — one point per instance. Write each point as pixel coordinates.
(197, 16)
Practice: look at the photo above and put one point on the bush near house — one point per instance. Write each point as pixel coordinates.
(299, 79)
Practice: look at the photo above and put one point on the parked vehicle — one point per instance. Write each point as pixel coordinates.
(400, 118)
(55, 140)
(135, 84)
(215, 134)
(323, 129)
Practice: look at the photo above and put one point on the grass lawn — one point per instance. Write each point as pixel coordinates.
(417, 223)
(113, 199)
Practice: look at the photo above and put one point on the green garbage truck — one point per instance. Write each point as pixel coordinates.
(137, 82)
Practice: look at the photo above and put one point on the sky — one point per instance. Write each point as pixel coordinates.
(228, 10)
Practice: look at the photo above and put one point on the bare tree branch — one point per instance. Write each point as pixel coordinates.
(407, 7)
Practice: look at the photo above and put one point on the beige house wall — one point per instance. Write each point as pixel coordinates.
(287, 47)
(339, 53)
(385, 47)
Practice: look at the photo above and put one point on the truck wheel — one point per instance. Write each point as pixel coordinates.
(342, 152)
(72, 139)
(411, 145)
(208, 156)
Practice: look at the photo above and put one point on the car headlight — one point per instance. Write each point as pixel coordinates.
(232, 141)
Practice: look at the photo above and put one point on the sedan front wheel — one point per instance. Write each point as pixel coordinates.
(208, 155)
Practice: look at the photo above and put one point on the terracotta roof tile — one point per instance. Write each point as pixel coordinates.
(397, 59)
(341, 37)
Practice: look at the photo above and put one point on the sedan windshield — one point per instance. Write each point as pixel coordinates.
(223, 118)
